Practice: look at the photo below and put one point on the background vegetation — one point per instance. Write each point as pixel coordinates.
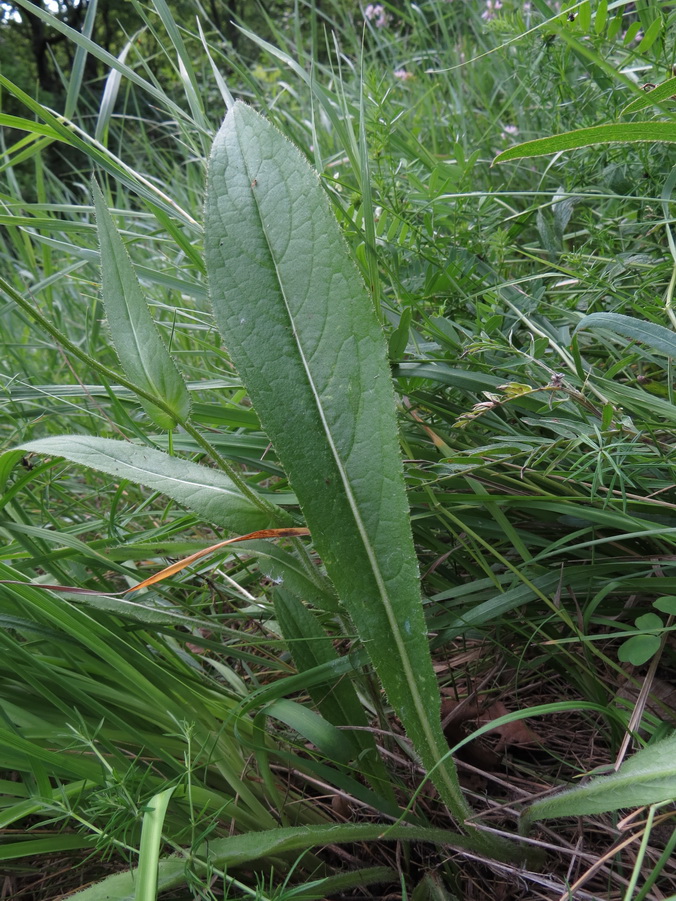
(538, 457)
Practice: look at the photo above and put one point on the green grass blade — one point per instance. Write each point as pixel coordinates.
(208, 492)
(332, 742)
(228, 99)
(141, 351)
(149, 850)
(54, 844)
(339, 703)
(191, 86)
(623, 132)
(310, 646)
(29, 125)
(17, 752)
(110, 95)
(655, 336)
(78, 67)
(77, 138)
(305, 339)
(108, 59)
(333, 105)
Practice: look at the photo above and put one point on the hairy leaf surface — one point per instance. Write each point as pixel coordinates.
(648, 777)
(240, 849)
(303, 334)
(208, 492)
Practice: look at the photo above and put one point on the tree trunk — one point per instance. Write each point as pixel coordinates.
(40, 49)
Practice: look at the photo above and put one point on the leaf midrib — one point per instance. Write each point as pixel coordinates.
(153, 472)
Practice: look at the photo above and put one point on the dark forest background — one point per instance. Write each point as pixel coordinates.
(33, 53)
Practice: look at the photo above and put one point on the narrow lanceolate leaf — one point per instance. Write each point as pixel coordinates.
(208, 492)
(239, 850)
(303, 334)
(658, 94)
(648, 777)
(338, 702)
(142, 353)
(285, 568)
(615, 133)
(654, 336)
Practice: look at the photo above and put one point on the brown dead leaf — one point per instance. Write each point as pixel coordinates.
(516, 734)
(341, 806)
(454, 716)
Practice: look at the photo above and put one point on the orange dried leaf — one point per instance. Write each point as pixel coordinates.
(181, 564)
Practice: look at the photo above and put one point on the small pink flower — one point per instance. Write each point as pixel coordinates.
(509, 130)
(492, 6)
(402, 74)
(376, 13)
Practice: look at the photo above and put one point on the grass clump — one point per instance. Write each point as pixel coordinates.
(223, 729)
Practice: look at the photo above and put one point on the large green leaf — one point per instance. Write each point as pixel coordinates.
(646, 778)
(240, 849)
(614, 133)
(654, 336)
(139, 346)
(208, 492)
(303, 335)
